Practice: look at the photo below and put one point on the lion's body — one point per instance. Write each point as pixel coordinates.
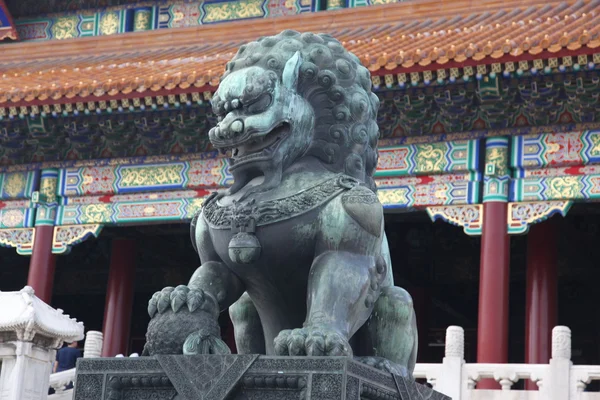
(299, 238)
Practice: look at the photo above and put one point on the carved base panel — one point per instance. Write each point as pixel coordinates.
(237, 377)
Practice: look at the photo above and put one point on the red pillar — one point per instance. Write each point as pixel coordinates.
(541, 308)
(492, 330)
(42, 264)
(119, 297)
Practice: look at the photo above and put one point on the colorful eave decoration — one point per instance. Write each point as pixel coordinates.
(405, 45)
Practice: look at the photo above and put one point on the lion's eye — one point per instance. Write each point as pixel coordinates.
(259, 105)
(218, 108)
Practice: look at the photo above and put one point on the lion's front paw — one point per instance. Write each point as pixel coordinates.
(384, 364)
(176, 314)
(175, 298)
(312, 342)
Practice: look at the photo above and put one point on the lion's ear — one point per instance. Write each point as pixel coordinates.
(291, 71)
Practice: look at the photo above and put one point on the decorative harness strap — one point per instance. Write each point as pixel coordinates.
(252, 214)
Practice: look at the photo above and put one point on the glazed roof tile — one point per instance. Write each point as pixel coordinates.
(393, 38)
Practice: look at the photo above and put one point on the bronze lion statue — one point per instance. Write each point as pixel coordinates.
(296, 247)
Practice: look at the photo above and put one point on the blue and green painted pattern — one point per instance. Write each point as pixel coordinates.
(363, 3)
(434, 158)
(496, 180)
(437, 194)
(575, 187)
(551, 150)
(69, 26)
(129, 212)
(149, 16)
(206, 173)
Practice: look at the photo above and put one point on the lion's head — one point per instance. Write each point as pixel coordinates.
(290, 96)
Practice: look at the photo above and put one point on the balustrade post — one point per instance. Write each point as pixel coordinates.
(449, 381)
(30, 334)
(556, 386)
(93, 344)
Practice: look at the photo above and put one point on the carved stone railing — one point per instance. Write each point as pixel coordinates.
(558, 380)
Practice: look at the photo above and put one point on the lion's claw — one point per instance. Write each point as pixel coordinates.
(311, 342)
(175, 298)
(184, 319)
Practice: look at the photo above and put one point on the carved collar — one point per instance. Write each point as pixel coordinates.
(251, 214)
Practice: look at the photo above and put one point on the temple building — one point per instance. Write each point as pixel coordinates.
(489, 156)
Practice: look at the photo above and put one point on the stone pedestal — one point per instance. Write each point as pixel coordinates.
(30, 333)
(240, 377)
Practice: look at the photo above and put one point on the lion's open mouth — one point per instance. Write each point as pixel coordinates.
(256, 148)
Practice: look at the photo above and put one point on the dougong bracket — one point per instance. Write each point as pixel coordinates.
(20, 238)
(523, 214)
(469, 216)
(67, 236)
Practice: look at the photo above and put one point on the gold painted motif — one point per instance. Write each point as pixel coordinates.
(87, 179)
(141, 21)
(233, 10)
(14, 184)
(498, 157)
(48, 189)
(65, 27)
(96, 213)
(393, 196)
(109, 23)
(333, 4)
(151, 176)
(430, 157)
(567, 187)
(552, 148)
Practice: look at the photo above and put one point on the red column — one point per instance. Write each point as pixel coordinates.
(42, 264)
(492, 329)
(119, 297)
(542, 276)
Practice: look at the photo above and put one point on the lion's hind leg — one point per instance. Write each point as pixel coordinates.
(389, 339)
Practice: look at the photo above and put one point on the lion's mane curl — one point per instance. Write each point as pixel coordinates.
(338, 88)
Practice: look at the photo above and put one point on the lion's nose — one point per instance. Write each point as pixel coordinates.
(237, 126)
(221, 132)
(217, 133)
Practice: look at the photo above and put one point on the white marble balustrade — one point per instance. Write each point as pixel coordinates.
(558, 380)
